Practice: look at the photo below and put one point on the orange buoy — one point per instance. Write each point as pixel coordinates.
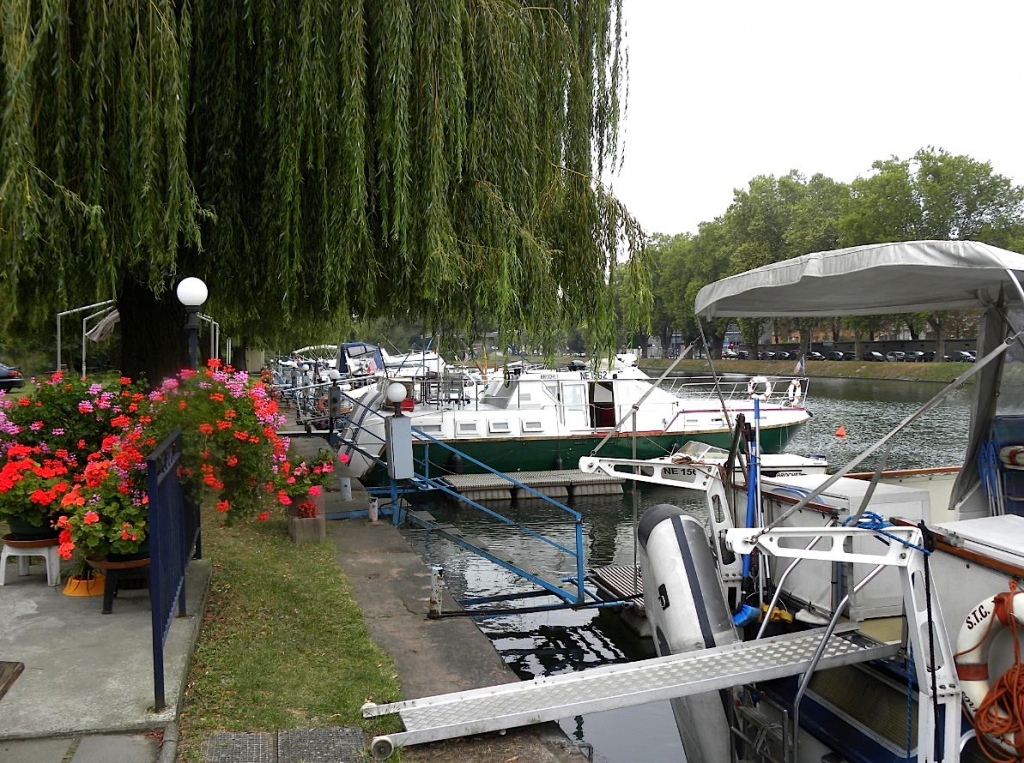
(841, 432)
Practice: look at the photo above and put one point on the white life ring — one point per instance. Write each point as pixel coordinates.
(759, 388)
(979, 630)
(795, 392)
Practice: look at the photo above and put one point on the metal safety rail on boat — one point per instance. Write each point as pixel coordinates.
(549, 698)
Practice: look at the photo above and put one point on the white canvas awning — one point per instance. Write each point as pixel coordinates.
(882, 279)
(878, 279)
(105, 327)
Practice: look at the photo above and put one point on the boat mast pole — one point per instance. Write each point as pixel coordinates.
(636, 515)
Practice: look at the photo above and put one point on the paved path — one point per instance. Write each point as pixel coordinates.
(392, 585)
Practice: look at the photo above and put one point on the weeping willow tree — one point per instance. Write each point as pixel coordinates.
(312, 161)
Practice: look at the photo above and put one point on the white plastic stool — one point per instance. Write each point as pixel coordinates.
(48, 552)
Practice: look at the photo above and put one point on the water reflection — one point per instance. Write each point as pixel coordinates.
(868, 409)
(553, 642)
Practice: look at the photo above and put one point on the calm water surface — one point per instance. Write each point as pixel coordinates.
(555, 642)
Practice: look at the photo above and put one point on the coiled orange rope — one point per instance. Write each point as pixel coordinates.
(1001, 713)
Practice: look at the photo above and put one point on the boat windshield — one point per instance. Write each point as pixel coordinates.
(699, 450)
(1011, 389)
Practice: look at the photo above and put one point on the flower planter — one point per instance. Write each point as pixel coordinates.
(309, 529)
(24, 531)
(85, 586)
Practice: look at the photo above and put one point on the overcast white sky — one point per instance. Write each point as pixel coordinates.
(723, 90)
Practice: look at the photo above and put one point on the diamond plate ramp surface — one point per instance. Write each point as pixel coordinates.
(552, 697)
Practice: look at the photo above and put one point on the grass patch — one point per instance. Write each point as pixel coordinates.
(283, 643)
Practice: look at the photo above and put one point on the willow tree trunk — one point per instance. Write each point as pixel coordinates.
(153, 341)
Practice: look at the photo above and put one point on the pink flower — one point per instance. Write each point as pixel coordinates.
(343, 458)
(314, 490)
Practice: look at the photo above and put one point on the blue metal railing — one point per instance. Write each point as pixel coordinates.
(423, 480)
(174, 531)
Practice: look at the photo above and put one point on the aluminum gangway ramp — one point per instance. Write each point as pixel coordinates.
(549, 698)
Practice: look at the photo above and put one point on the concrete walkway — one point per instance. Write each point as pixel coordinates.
(392, 585)
(86, 694)
(88, 677)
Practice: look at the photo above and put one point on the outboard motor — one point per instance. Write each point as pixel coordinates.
(687, 610)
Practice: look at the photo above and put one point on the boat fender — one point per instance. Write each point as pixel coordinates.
(979, 630)
(687, 610)
(795, 392)
(759, 388)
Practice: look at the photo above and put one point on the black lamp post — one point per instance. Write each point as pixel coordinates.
(192, 294)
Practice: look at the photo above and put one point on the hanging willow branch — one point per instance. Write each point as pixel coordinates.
(319, 159)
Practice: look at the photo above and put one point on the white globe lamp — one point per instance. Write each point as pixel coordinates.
(395, 394)
(192, 293)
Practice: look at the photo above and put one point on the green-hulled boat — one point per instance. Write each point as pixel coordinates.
(537, 420)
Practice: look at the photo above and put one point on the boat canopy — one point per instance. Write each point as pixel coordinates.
(885, 279)
(878, 279)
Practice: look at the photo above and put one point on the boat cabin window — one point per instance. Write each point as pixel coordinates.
(602, 404)
(574, 404)
(498, 427)
(533, 425)
(574, 396)
(466, 427)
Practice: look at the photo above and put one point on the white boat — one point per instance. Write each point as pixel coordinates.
(697, 461)
(531, 420)
(878, 561)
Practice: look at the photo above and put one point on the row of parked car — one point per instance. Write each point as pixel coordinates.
(896, 356)
(917, 356)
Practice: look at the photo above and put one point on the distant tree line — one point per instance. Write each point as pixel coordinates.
(933, 195)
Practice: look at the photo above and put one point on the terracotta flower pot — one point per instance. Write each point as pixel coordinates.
(85, 586)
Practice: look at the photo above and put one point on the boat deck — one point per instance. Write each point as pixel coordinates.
(566, 483)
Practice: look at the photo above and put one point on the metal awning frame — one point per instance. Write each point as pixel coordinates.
(60, 315)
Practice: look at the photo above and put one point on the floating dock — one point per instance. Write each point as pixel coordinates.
(567, 483)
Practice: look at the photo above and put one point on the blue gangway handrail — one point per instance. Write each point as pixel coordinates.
(423, 479)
